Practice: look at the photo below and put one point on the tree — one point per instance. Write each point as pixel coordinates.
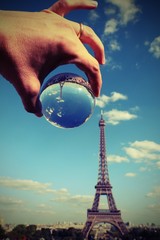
(18, 233)
(30, 231)
(2, 232)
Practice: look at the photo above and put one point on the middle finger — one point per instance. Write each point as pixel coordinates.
(88, 36)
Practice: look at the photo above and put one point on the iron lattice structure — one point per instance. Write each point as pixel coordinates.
(111, 214)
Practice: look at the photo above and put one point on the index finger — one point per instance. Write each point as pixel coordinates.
(88, 64)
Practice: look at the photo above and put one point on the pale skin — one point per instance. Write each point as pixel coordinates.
(32, 44)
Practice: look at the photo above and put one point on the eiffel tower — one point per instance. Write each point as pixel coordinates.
(111, 214)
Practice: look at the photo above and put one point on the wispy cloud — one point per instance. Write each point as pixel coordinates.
(61, 195)
(111, 26)
(154, 193)
(114, 45)
(109, 10)
(103, 100)
(117, 159)
(115, 116)
(119, 14)
(143, 151)
(76, 199)
(45, 212)
(8, 201)
(93, 15)
(154, 207)
(112, 64)
(130, 174)
(158, 164)
(127, 10)
(155, 47)
(144, 169)
(26, 185)
(30, 185)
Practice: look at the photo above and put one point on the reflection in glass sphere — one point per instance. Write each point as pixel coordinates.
(67, 100)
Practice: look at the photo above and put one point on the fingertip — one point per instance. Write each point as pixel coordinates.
(104, 60)
(94, 3)
(38, 108)
(96, 90)
(33, 105)
(39, 114)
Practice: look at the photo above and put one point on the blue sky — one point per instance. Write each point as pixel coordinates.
(47, 174)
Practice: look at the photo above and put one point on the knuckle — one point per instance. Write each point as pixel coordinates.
(32, 90)
(89, 31)
(29, 97)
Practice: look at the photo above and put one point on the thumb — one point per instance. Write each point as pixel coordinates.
(28, 90)
(62, 7)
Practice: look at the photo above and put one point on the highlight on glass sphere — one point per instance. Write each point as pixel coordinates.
(67, 100)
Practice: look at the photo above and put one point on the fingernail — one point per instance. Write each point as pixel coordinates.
(104, 61)
(95, 3)
(39, 114)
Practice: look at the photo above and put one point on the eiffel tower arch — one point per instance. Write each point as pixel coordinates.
(110, 214)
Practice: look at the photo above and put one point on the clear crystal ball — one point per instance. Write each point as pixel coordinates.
(67, 100)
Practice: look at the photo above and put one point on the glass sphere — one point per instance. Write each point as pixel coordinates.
(67, 100)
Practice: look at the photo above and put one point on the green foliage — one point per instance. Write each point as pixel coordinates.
(22, 232)
(2, 232)
(68, 234)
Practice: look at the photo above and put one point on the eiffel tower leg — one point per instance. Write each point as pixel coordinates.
(122, 227)
(87, 228)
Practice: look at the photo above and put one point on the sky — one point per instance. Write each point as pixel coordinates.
(48, 174)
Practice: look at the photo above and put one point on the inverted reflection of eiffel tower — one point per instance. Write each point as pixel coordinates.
(111, 214)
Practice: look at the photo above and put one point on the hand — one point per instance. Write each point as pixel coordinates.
(35, 45)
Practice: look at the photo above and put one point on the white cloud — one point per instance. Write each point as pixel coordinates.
(117, 159)
(154, 207)
(45, 212)
(30, 185)
(143, 151)
(146, 43)
(8, 201)
(134, 109)
(115, 96)
(112, 64)
(130, 174)
(155, 192)
(144, 169)
(111, 27)
(115, 116)
(103, 100)
(93, 16)
(127, 10)
(148, 145)
(76, 199)
(155, 47)
(109, 11)
(82, 198)
(158, 164)
(114, 45)
(61, 195)
(23, 184)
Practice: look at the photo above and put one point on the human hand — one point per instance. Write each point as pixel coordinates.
(35, 45)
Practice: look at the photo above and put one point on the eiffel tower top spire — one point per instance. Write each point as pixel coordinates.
(102, 122)
(103, 176)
